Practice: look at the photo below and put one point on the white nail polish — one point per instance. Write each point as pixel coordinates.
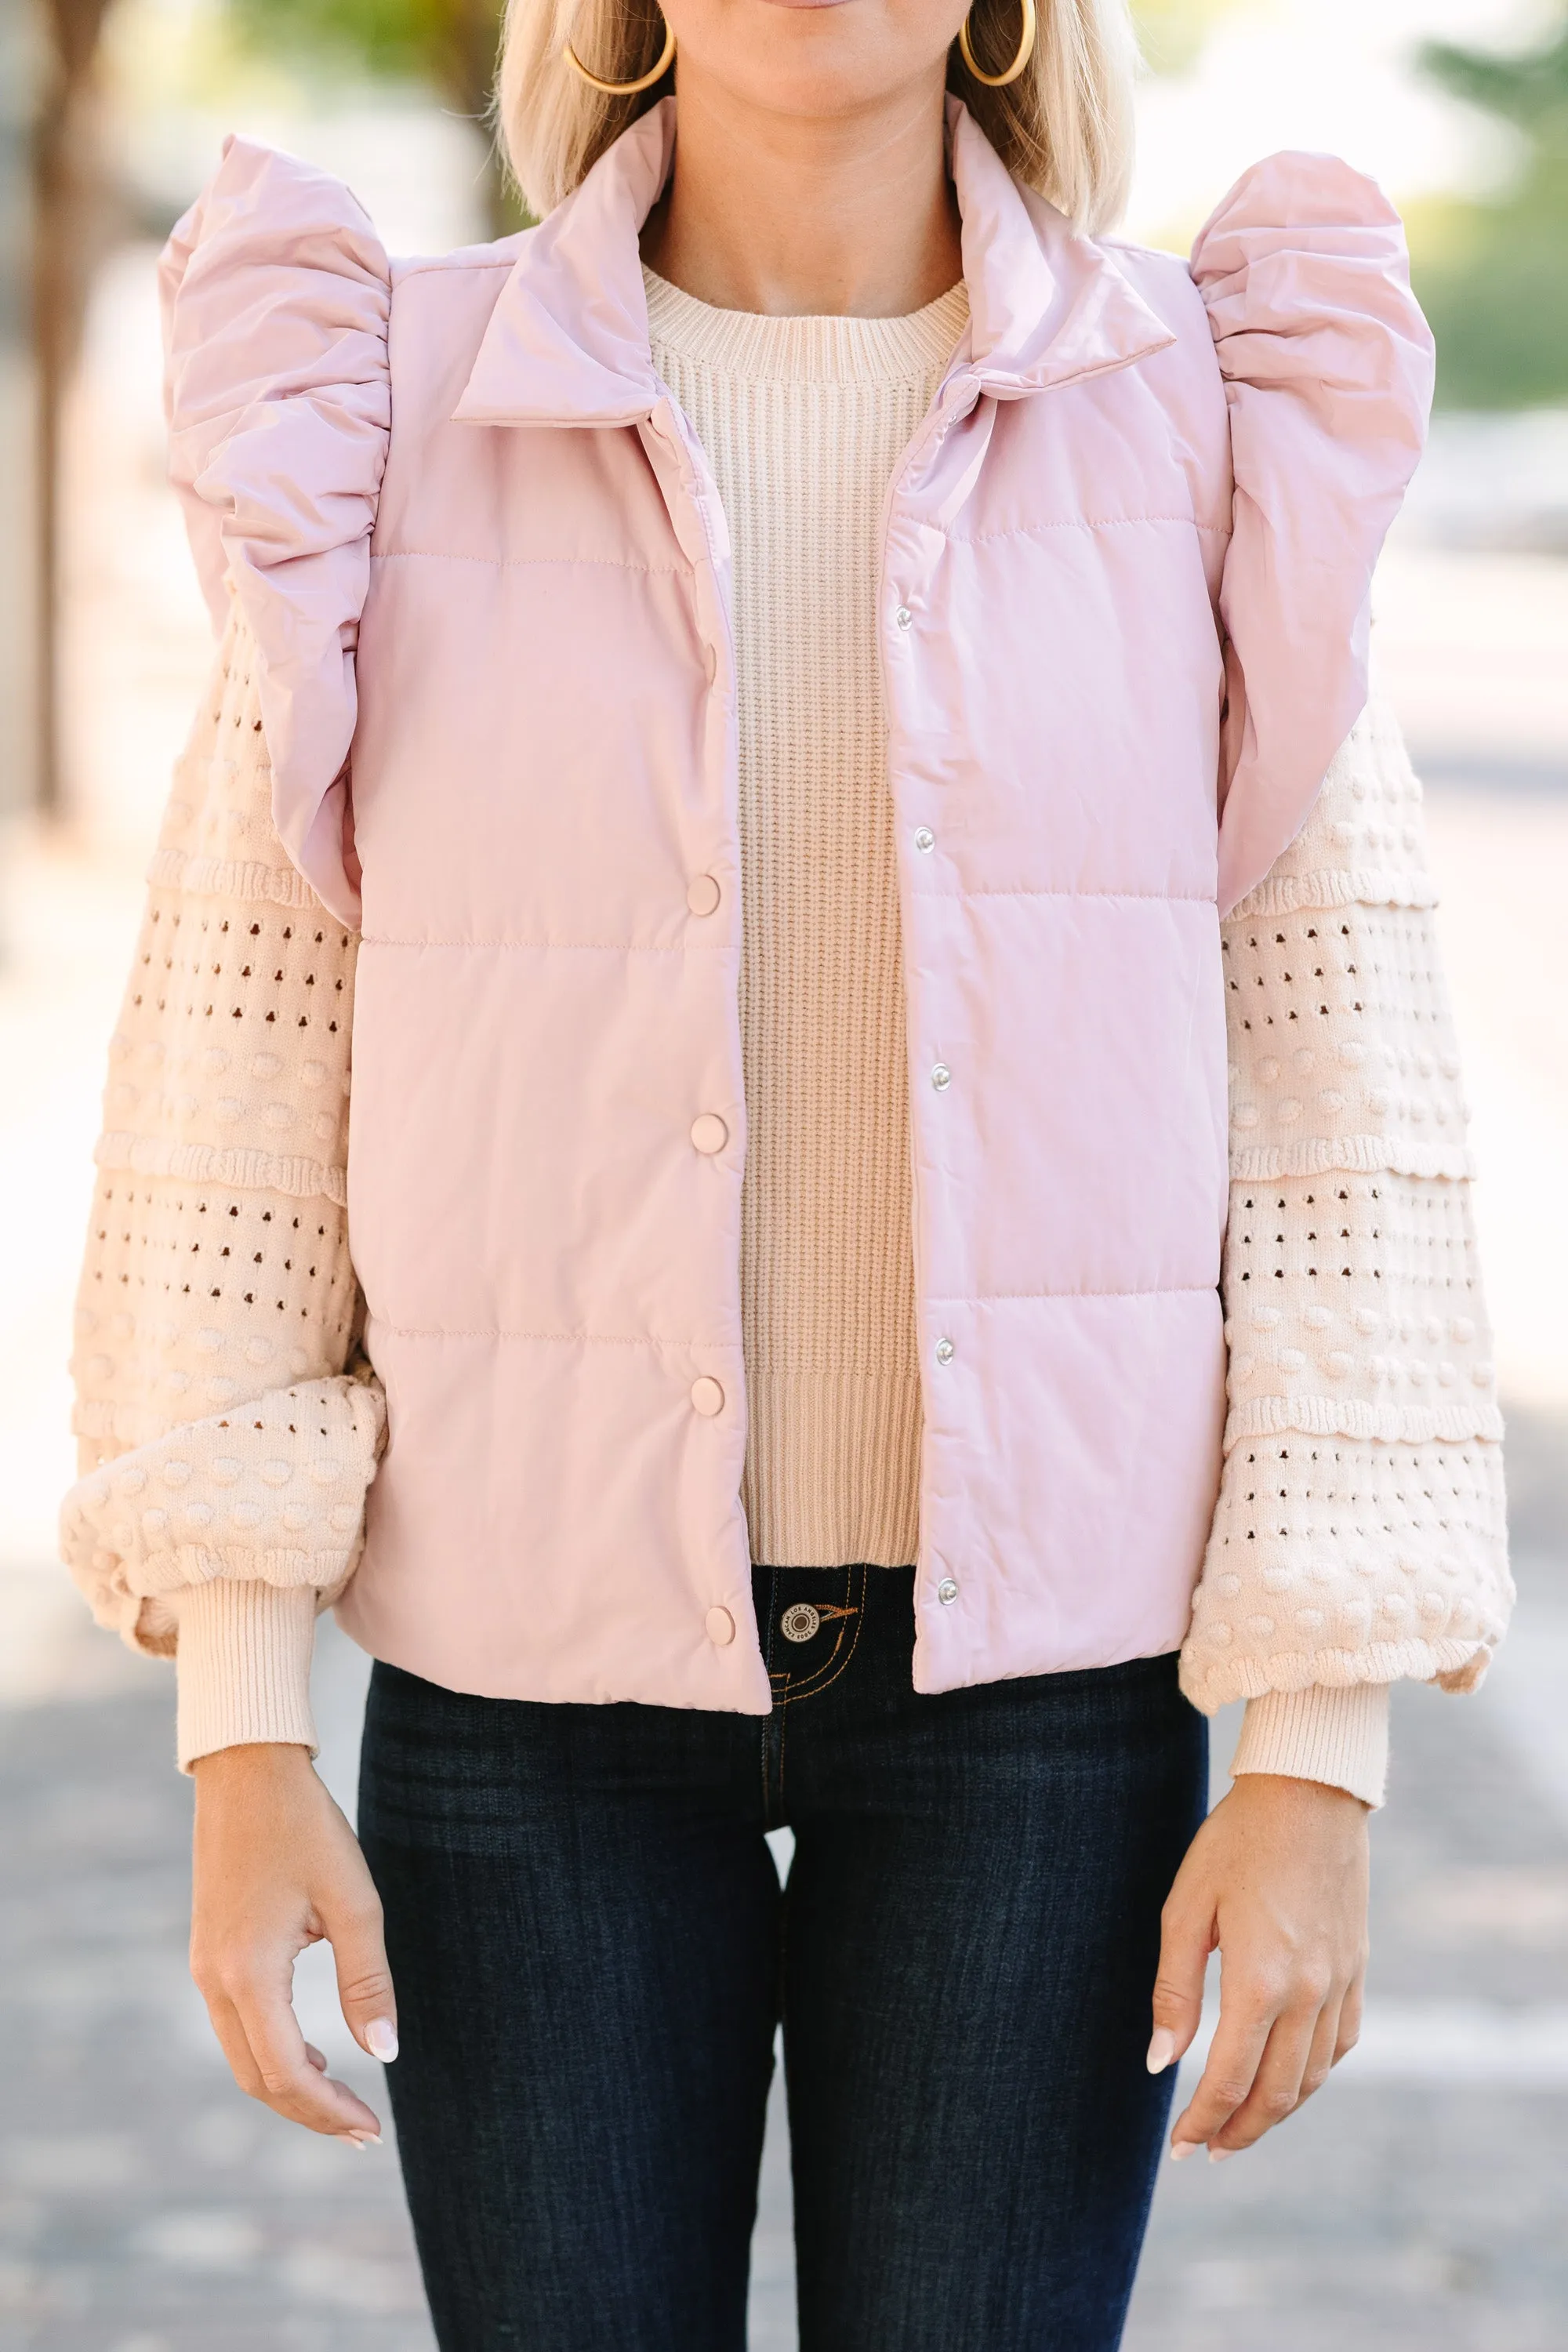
(1181, 2148)
(380, 2039)
(1219, 2155)
(1162, 2049)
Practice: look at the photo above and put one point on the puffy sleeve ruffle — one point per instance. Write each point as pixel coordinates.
(1328, 368)
(276, 297)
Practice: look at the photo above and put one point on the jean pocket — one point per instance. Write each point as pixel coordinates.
(813, 1627)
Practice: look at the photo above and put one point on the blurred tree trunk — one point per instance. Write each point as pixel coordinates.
(71, 216)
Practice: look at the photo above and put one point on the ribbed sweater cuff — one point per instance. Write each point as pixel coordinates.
(1337, 1735)
(243, 1665)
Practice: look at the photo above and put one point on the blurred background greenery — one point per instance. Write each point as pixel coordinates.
(1493, 276)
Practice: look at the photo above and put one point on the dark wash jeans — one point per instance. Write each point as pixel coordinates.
(591, 1950)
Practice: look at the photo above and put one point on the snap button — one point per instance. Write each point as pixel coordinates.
(702, 895)
(799, 1623)
(947, 1591)
(709, 1132)
(943, 1351)
(904, 617)
(925, 837)
(721, 1628)
(707, 1397)
(941, 1078)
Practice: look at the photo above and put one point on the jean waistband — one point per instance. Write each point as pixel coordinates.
(813, 1622)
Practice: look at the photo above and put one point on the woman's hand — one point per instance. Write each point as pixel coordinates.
(1277, 1878)
(276, 1867)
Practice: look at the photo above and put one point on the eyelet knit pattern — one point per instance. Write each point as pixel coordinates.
(1355, 1310)
(1359, 1534)
(217, 1270)
(1344, 1011)
(238, 967)
(194, 1293)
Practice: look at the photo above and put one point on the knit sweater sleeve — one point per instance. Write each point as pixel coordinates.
(1359, 1534)
(227, 1435)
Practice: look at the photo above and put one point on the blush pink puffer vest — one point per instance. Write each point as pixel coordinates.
(1123, 610)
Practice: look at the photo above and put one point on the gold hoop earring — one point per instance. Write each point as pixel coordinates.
(643, 81)
(1025, 51)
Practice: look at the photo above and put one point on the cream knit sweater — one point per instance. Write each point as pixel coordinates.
(226, 1444)
(803, 421)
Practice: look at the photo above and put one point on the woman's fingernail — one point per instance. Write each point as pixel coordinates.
(1162, 2049)
(1219, 2155)
(354, 2139)
(380, 2039)
(1181, 2147)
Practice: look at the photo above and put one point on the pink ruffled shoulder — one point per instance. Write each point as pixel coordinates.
(276, 295)
(1328, 368)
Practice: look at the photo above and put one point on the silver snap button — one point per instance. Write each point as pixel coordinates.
(947, 1591)
(925, 837)
(799, 1623)
(904, 617)
(945, 1351)
(941, 1078)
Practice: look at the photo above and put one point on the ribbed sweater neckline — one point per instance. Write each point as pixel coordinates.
(756, 348)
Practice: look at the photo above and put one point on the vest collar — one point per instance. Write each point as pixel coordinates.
(567, 342)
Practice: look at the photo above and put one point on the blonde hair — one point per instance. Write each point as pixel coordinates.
(1064, 127)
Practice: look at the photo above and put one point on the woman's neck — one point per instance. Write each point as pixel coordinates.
(798, 216)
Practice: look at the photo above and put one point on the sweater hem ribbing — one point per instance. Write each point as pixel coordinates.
(833, 1469)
